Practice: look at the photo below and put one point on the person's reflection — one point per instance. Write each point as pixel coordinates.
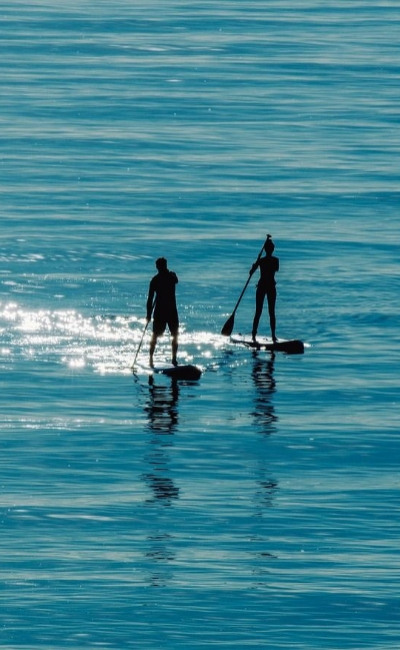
(162, 412)
(266, 486)
(264, 497)
(264, 382)
(162, 406)
(159, 554)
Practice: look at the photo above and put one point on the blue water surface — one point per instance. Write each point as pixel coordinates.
(257, 507)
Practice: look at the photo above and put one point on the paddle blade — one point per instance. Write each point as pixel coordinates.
(228, 327)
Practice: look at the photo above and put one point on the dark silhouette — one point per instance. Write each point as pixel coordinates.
(228, 327)
(268, 265)
(162, 298)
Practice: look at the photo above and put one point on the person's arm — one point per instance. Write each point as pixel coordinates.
(254, 267)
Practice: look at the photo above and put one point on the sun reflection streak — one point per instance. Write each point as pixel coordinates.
(104, 343)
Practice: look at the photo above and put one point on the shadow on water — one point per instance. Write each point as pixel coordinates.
(265, 385)
(161, 408)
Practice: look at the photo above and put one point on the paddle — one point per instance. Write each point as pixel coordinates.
(144, 332)
(140, 344)
(228, 327)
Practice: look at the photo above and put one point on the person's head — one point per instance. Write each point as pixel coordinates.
(269, 245)
(161, 264)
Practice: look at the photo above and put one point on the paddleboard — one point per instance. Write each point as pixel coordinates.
(293, 346)
(186, 371)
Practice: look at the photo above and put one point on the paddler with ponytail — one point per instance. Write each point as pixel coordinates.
(268, 265)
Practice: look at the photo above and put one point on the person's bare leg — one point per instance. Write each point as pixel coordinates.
(260, 295)
(174, 346)
(153, 343)
(272, 319)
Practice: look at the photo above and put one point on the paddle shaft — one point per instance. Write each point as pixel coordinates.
(143, 333)
(228, 327)
(140, 343)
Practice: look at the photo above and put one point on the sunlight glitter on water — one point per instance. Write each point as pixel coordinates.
(107, 344)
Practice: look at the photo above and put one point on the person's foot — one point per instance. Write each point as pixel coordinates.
(274, 339)
(253, 336)
(174, 362)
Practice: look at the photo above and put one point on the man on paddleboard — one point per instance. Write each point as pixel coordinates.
(162, 298)
(268, 265)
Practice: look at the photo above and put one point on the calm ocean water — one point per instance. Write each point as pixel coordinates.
(258, 507)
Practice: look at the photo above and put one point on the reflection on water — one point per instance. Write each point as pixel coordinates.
(161, 408)
(162, 412)
(264, 382)
(266, 487)
(104, 343)
(162, 486)
(159, 555)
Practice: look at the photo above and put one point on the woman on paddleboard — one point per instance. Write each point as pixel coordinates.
(161, 298)
(268, 265)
